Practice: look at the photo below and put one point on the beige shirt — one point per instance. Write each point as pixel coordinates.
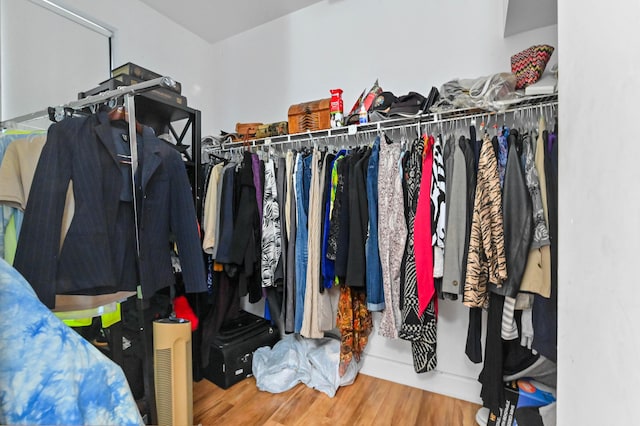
(312, 303)
(16, 176)
(211, 211)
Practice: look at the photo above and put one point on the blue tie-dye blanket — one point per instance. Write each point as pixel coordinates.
(49, 374)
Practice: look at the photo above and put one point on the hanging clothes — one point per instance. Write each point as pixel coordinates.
(258, 179)
(245, 246)
(420, 330)
(375, 290)
(19, 155)
(392, 230)
(336, 211)
(425, 201)
(303, 181)
(517, 230)
(325, 183)
(422, 232)
(456, 218)
(327, 297)
(291, 215)
(344, 217)
(271, 236)
(517, 222)
(545, 310)
(328, 262)
(227, 218)
(438, 209)
(486, 262)
(211, 217)
(280, 275)
(355, 325)
(358, 219)
(503, 153)
(473, 347)
(311, 318)
(83, 150)
(467, 147)
(537, 275)
(491, 376)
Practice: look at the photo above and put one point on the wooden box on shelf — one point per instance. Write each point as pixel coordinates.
(310, 116)
(247, 130)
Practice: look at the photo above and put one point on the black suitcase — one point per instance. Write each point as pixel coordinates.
(231, 354)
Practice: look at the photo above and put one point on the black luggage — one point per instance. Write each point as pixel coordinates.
(231, 353)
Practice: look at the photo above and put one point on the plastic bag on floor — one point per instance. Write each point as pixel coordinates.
(280, 368)
(295, 359)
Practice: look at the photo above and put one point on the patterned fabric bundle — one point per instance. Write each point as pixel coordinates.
(355, 324)
(529, 64)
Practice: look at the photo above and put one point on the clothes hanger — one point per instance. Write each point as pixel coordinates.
(121, 114)
(213, 157)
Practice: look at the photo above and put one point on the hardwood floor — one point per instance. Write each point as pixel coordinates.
(369, 401)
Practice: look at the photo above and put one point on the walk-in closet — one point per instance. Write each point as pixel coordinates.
(318, 212)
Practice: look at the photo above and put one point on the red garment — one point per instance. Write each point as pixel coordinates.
(183, 310)
(422, 232)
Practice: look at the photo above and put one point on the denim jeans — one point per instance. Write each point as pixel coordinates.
(303, 182)
(375, 291)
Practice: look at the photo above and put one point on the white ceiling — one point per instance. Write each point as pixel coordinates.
(525, 15)
(215, 20)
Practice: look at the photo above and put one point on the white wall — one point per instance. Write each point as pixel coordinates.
(408, 45)
(46, 59)
(149, 39)
(599, 213)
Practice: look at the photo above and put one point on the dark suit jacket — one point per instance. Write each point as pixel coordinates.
(82, 150)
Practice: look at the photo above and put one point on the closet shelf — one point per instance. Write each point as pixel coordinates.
(529, 102)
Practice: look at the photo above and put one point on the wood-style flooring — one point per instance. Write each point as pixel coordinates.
(369, 401)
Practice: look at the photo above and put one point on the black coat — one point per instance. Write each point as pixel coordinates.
(81, 150)
(245, 246)
(518, 223)
(358, 220)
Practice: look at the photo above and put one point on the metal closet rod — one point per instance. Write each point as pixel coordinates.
(97, 99)
(377, 127)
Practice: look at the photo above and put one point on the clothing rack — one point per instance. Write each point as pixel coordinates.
(525, 106)
(60, 112)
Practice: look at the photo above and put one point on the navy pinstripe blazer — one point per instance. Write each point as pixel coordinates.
(82, 150)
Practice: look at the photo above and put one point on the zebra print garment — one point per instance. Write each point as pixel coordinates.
(419, 330)
(487, 260)
(438, 208)
(271, 233)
